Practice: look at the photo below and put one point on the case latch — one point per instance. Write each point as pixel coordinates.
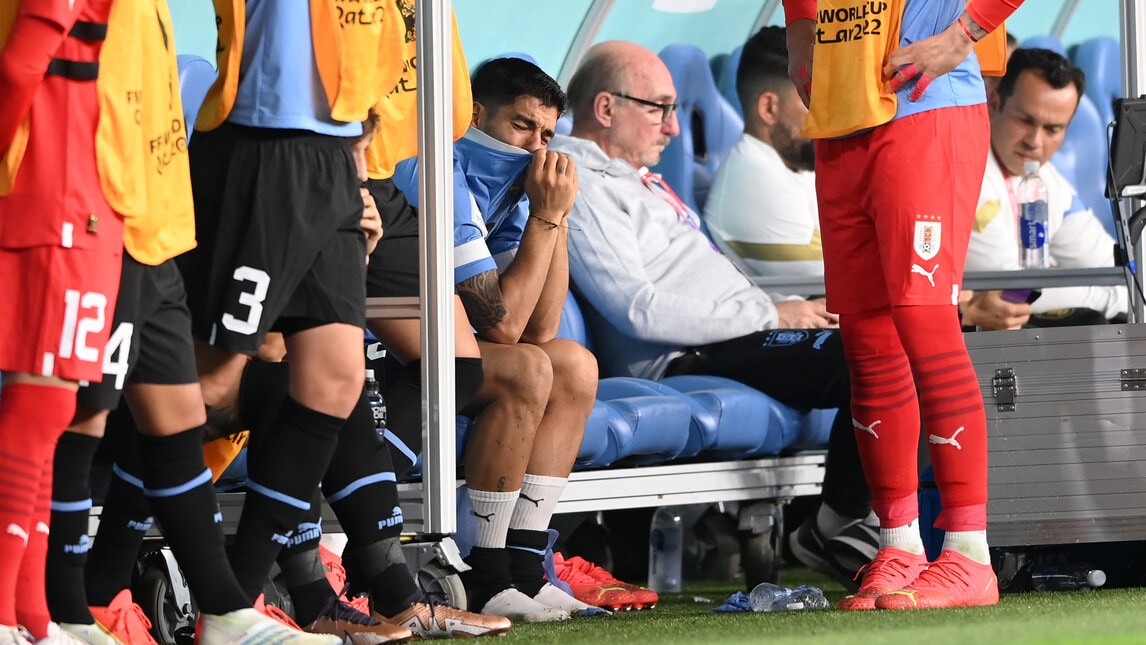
(1133, 379)
(1003, 387)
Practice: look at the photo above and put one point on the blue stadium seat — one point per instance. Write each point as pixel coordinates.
(1044, 42)
(727, 80)
(607, 438)
(734, 417)
(1101, 60)
(573, 323)
(660, 422)
(815, 430)
(196, 75)
(724, 419)
(709, 126)
(1082, 159)
(522, 55)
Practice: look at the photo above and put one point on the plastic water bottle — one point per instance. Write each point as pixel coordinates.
(1069, 575)
(666, 541)
(770, 597)
(377, 403)
(1033, 218)
(807, 597)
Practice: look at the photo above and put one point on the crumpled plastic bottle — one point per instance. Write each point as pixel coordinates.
(771, 597)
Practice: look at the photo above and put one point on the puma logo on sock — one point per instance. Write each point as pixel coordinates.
(868, 429)
(488, 518)
(142, 527)
(83, 545)
(930, 275)
(947, 440)
(536, 502)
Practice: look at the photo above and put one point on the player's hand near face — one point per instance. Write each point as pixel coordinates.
(551, 185)
(371, 222)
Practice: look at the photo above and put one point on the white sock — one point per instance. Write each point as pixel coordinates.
(536, 502)
(904, 538)
(492, 511)
(972, 544)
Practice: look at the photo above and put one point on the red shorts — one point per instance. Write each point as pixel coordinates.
(896, 208)
(57, 313)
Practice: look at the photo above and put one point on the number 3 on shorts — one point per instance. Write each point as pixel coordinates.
(253, 299)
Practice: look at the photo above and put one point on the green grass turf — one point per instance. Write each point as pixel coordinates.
(1098, 616)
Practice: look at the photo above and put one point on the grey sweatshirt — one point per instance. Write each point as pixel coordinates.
(655, 284)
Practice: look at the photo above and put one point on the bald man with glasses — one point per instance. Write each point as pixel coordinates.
(662, 300)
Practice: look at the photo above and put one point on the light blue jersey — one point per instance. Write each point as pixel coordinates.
(495, 173)
(471, 256)
(962, 85)
(490, 207)
(279, 85)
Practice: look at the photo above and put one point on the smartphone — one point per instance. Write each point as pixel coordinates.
(1021, 295)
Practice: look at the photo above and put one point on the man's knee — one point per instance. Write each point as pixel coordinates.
(519, 371)
(574, 368)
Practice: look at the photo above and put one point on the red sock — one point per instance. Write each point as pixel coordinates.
(32, 417)
(953, 416)
(885, 413)
(31, 599)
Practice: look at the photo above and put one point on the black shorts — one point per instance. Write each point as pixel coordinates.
(277, 214)
(764, 361)
(393, 269)
(150, 335)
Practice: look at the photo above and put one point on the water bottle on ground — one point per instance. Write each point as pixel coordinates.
(769, 597)
(377, 403)
(1067, 575)
(766, 597)
(807, 597)
(666, 538)
(1033, 218)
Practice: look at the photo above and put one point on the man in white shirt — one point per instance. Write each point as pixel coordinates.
(1029, 115)
(762, 206)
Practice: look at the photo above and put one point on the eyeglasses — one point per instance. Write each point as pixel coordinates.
(667, 109)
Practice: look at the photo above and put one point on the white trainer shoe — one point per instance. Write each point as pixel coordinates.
(520, 608)
(58, 636)
(14, 635)
(248, 627)
(93, 634)
(552, 596)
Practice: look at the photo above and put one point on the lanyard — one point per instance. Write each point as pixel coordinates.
(657, 185)
(1009, 182)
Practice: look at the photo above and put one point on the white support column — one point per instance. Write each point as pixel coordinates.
(436, 256)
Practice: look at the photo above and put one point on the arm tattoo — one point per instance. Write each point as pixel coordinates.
(976, 32)
(481, 296)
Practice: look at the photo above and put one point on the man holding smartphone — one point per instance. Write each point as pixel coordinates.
(1030, 112)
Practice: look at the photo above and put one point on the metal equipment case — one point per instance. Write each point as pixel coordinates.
(1066, 419)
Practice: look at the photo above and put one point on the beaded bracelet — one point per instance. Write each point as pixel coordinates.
(552, 225)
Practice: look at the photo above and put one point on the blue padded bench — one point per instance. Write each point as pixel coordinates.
(726, 419)
(643, 422)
